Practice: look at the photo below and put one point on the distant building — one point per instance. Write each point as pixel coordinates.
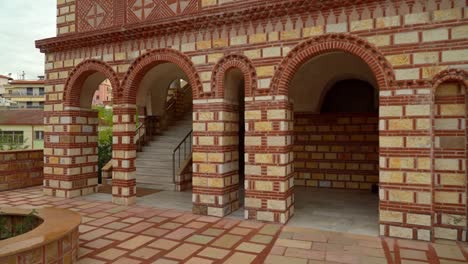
(7, 104)
(103, 95)
(22, 127)
(27, 93)
(3, 81)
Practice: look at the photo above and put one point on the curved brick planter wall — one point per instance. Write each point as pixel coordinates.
(405, 43)
(53, 241)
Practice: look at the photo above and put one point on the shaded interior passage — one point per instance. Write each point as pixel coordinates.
(336, 144)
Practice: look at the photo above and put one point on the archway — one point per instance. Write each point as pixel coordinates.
(218, 135)
(450, 150)
(144, 94)
(77, 141)
(336, 144)
(311, 75)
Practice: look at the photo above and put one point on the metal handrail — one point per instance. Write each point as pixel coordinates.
(138, 136)
(187, 152)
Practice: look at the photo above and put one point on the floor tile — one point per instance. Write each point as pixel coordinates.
(215, 253)
(250, 247)
(120, 235)
(163, 244)
(226, 241)
(135, 242)
(183, 251)
(112, 253)
(125, 260)
(243, 258)
(200, 239)
(145, 253)
(99, 243)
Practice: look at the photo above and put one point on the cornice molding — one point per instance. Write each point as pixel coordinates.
(209, 18)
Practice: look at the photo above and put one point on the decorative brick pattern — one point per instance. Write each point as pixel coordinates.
(269, 170)
(22, 168)
(70, 153)
(147, 61)
(449, 163)
(240, 62)
(124, 155)
(94, 14)
(336, 150)
(412, 48)
(215, 158)
(66, 16)
(78, 76)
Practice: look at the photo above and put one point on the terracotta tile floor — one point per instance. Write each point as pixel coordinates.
(142, 234)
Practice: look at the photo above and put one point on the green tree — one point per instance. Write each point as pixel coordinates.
(104, 137)
(105, 114)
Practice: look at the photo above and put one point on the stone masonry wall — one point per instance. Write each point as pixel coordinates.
(20, 169)
(336, 150)
(405, 43)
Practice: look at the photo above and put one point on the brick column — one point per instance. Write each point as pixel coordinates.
(215, 169)
(405, 162)
(124, 155)
(450, 162)
(269, 157)
(70, 153)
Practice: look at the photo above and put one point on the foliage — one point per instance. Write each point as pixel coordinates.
(9, 229)
(104, 114)
(104, 149)
(105, 137)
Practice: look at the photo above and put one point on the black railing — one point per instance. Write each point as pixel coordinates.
(178, 157)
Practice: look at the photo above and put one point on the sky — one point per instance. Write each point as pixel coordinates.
(21, 23)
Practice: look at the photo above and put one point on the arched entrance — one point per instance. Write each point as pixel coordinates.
(145, 93)
(336, 144)
(450, 154)
(234, 79)
(335, 147)
(71, 170)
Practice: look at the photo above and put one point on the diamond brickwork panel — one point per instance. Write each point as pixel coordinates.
(150, 10)
(94, 14)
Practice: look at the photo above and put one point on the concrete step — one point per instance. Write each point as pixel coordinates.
(154, 164)
(156, 170)
(162, 187)
(155, 179)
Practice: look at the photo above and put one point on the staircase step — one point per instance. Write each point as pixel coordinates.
(162, 187)
(154, 164)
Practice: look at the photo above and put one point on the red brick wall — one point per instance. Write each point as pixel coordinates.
(408, 45)
(21, 168)
(336, 150)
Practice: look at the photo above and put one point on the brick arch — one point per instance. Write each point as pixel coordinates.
(149, 60)
(80, 73)
(322, 44)
(450, 75)
(234, 61)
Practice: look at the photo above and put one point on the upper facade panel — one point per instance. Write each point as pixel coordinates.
(89, 15)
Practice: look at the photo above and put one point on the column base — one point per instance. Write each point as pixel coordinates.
(218, 205)
(67, 193)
